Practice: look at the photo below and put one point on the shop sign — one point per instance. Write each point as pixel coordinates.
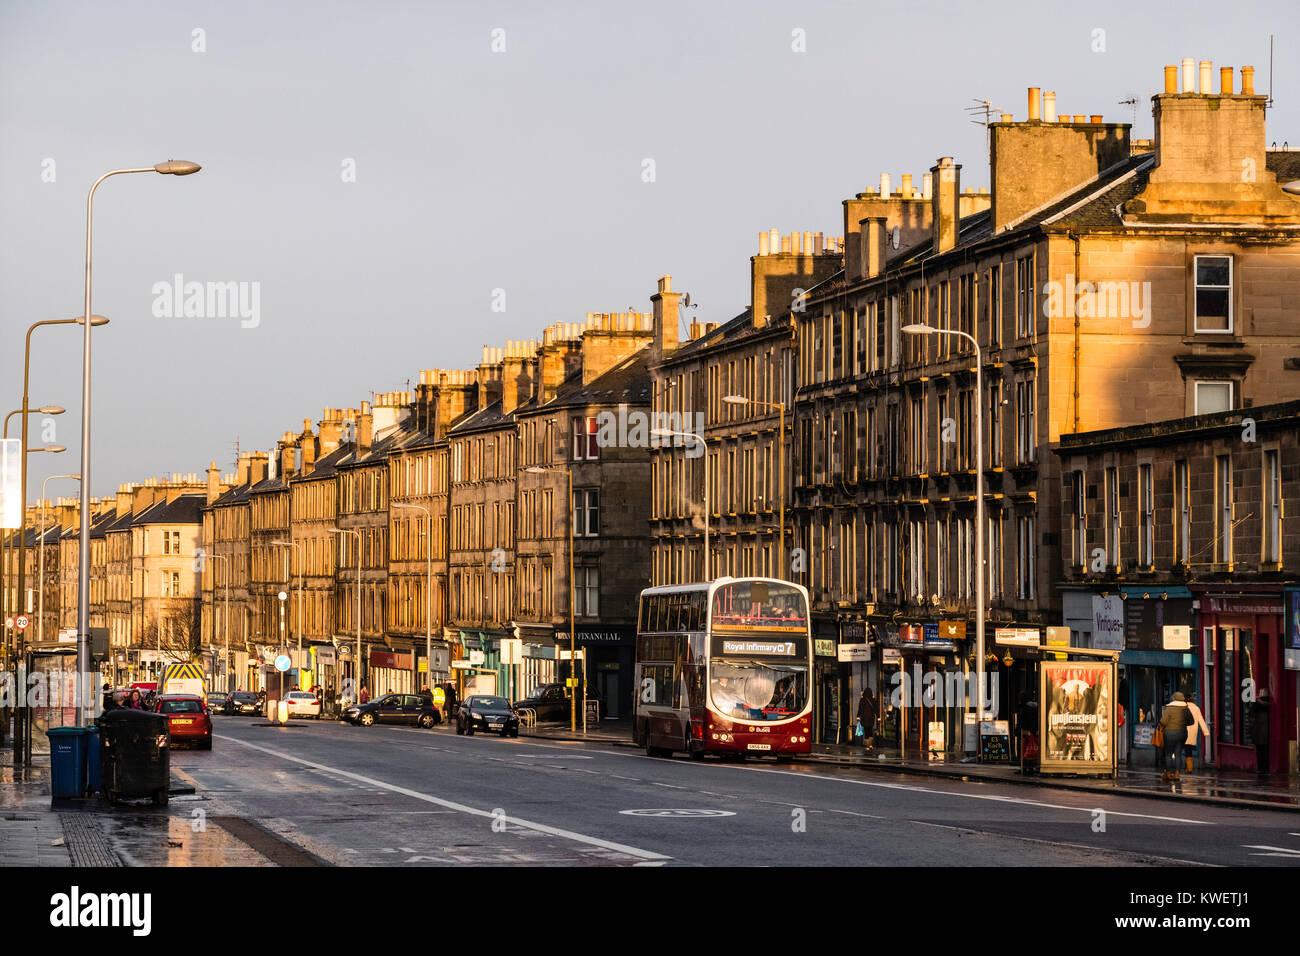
(1177, 637)
(911, 634)
(396, 660)
(823, 648)
(855, 652)
(853, 632)
(1020, 636)
(890, 655)
(324, 655)
(934, 637)
(1244, 604)
(1077, 716)
(476, 658)
(952, 630)
(995, 741)
(611, 636)
(1058, 637)
(1108, 622)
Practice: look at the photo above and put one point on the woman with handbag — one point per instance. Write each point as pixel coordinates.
(864, 731)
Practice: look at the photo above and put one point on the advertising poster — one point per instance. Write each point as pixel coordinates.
(1078, 714)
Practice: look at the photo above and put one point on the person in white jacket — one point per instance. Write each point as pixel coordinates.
(1198, 724)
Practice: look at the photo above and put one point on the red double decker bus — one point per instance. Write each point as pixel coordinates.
(724, 667)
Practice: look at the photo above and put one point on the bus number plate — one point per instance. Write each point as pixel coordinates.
(759, 746)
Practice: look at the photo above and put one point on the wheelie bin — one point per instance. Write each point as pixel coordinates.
(135, 760)
(67, 762)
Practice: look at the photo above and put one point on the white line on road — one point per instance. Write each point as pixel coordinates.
(869, 816)
(462, 808)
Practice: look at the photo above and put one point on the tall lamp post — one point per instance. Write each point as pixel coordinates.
(780, 463)
(573, 591)
(295, 546)
(921, 329)
(357, 676)
(428, 587)
(40, 572)
(669, 433)
(169, 168)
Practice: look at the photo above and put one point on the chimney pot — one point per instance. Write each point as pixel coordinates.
(907, 186)
(1225, 81)
(1247, 81)
(1080, 118)
(1033, 103)
(884, 185)
(927, 186)
(762, 243)
(1206, 67)
(1095, 118)
(1171, 79)
(1049, 107)
(1006, 118)
(1189, 75)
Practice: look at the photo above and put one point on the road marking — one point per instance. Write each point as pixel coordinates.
(1055, 843)
(869, 816)
(462, 808)
(1291, 854)
(670, 786)
(678, 813)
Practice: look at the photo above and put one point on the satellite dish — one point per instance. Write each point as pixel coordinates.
(686, 300)
(895, 237)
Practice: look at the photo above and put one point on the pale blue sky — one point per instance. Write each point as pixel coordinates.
(476, 171)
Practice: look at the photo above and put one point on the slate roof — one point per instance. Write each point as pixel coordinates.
(626, 383)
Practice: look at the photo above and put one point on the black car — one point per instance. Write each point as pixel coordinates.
(245, 702)
(550, 701)
(220, 703)
(488, 714)
(394, 709)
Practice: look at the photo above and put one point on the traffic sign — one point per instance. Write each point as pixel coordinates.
(283, 662)
(9, 622)
(23, 622)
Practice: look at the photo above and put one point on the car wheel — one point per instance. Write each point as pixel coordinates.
(205, 744)
(367, 720)
(469, 727)
(515, 732)
(460, 728)
(426, 721)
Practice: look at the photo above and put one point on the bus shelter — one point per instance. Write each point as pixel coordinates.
(1077, 710)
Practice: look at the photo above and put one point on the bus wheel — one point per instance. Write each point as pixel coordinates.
(783, 758)
(697, 754)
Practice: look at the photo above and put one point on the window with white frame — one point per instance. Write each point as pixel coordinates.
(1211, 397)
(1146, 516)
(1213, 294)
(1182, 513)
(586, 591)
(1223, 508)
(585, 445)
(586, 518)
(1025, 297)
(1078, 521)
(1026, 553)
(1272, 476)
(1112, 518)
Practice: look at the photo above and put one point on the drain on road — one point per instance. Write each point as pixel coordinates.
(275, 848)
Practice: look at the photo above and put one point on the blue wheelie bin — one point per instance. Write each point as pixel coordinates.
(67, 762)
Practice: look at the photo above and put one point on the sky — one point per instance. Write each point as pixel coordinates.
(392, 186)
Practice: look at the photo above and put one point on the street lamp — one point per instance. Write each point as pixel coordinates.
(225, 660)
(921, 329)
(357, 676)
(40, 572)
(780, 464)
(573, 591)
(171, 167)
(669, 433)
(428, 588)
(295, 545)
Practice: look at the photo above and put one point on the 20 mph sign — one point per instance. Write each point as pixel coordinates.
(22, 622)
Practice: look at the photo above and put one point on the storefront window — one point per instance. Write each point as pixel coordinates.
(1227, 689)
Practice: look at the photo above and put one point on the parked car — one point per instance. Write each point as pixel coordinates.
(245, 702)
(187, 719)
(550, 701)
(220, 702)
(303, 703)
(492, 714)
(393, 709)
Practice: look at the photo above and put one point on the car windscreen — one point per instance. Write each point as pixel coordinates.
(489, 703)
(181, 707)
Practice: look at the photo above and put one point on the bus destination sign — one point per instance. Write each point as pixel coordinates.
(750, 647)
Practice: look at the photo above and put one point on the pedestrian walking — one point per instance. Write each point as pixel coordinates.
(365, 695)
(135, 701)
(1198, 724)
(1174, 721)
(1259, 712)
(865, 729)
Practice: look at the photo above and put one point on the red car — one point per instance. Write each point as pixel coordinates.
(188, 719)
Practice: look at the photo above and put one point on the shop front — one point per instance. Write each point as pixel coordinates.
(608, 651)
(1159, 659)
(840, 660)
(391, 672)
(1251, 696)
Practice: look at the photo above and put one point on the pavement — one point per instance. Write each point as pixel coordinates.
(1207, 786)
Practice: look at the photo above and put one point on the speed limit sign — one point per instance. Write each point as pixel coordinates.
(23, 622)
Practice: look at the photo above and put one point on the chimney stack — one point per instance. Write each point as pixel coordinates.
(875, 246)
(665, 319)
(946, 218)
(214, 482)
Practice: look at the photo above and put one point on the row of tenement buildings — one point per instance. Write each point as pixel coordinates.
(1136, 305)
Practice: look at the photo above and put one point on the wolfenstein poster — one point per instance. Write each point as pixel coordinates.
(1078, 715)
